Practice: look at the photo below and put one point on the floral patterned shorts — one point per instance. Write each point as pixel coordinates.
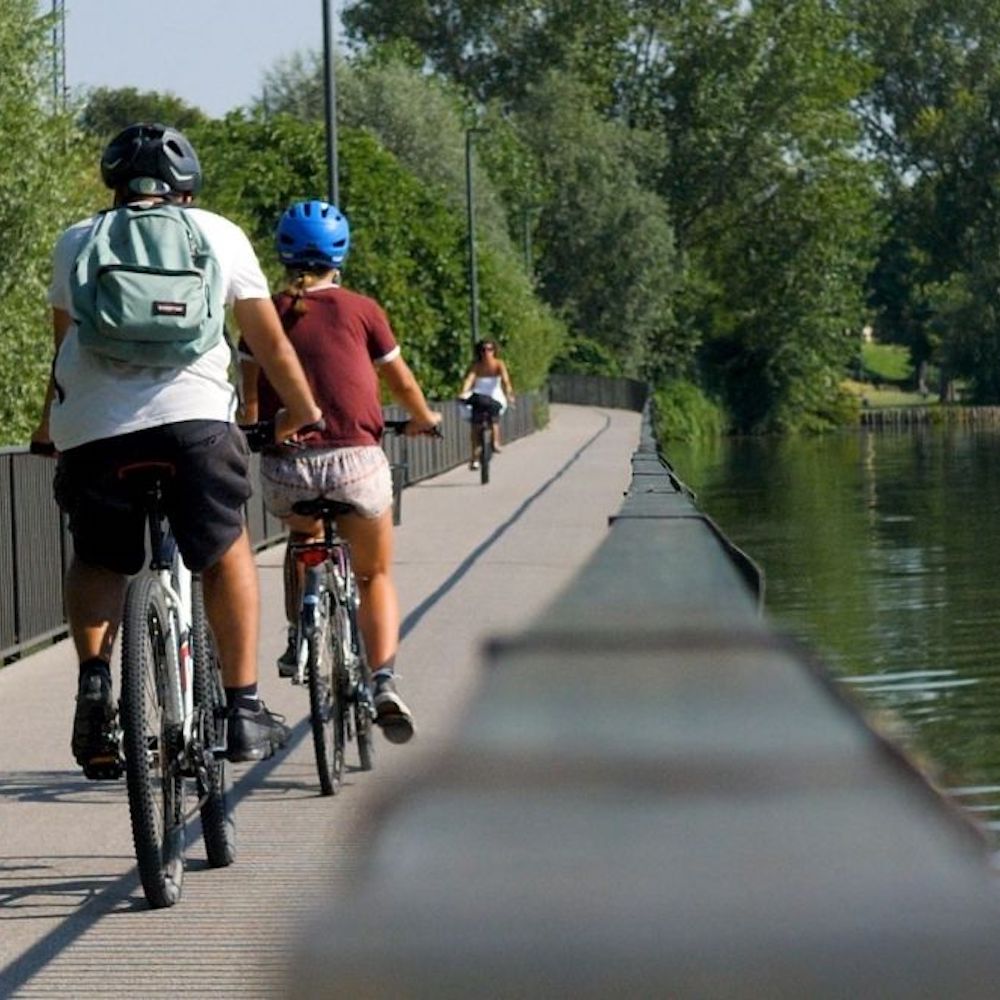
(359, 476)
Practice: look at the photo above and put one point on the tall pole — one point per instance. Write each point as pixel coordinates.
(471, 213)
(330, 95)
(58, 56)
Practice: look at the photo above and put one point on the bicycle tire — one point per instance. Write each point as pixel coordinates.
(486, 453)
(364, 729)
(152, 733)
(218, 826)
(326, 715)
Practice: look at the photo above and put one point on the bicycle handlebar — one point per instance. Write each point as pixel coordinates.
(45, 448)
(399, 427)
(261, 434)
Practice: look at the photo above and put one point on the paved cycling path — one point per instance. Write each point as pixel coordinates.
(472, 562)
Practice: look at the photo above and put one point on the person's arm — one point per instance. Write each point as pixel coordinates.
(505, 381)
(470, 378)
(249, 377)
(61, 321)
(259, 323)
(406, 391)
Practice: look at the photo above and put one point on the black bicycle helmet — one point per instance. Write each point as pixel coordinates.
(149, 158)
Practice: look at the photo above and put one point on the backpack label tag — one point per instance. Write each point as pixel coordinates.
(170, 309)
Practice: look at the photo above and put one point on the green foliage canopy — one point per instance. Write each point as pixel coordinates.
(43, 188)
(108, 110)
(406, 248)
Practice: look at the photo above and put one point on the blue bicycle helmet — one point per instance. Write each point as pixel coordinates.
(313, 234)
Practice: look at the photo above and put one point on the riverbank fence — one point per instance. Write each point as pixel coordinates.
(35, 546)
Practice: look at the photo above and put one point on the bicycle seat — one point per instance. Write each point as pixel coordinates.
(322, 507)
(147, 473)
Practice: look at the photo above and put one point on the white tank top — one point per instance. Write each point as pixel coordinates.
(490, 385)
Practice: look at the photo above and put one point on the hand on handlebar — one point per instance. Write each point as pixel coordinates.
(414, 427)
(44, 448)
(286, 425)
(267, 433)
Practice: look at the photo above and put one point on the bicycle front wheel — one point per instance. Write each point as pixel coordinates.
(152, 732)
(362, 694)
(217, 824)
(486, 448)
(325, 697)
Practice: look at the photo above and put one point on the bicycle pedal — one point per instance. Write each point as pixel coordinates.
(103, 768)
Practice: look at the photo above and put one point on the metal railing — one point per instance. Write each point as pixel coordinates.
(592, 390)
(35, 546)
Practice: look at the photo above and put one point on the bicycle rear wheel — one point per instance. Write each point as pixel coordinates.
(325, 697)
(217, 824)
(152, 728)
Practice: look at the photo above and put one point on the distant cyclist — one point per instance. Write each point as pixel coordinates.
(487, 386)
(346, 347)
(103, 414)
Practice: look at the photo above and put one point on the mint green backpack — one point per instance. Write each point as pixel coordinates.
(147, 288)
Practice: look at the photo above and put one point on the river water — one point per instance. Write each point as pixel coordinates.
(882, 551)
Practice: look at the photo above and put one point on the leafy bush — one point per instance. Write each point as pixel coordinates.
(584, 356)
(682, 412)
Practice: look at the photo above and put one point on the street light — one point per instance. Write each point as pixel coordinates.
(471, 215)
(330, 103)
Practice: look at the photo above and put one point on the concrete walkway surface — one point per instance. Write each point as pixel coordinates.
(472, 562)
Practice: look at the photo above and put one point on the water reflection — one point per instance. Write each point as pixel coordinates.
(879, 549)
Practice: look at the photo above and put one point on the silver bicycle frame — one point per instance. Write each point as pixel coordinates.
(176, 584)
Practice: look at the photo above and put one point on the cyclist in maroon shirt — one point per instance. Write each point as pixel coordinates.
(346, 347)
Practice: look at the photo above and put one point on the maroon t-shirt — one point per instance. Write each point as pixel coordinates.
(338, 338)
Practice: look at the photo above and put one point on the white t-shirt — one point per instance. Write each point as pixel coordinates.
(97, 397)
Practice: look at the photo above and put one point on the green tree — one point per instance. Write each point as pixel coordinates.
(931, 114)
(108, 110)
(498, 49)
(295, 86)
(605, 245)
(774, 206)
(45, 183)
(751, 104)
(407, 243)
(421, 120)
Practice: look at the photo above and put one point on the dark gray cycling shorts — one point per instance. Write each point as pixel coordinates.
(203, 499)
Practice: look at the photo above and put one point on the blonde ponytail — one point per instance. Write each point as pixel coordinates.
(299, 282)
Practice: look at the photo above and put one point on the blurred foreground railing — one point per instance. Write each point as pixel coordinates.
(655, 794)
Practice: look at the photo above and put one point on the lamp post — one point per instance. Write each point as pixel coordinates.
(471, 216)
(58, 56)
(330, 104)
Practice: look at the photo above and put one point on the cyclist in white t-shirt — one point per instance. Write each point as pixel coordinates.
(103, 414)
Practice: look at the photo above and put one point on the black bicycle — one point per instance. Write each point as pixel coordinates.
(484, 410)
(172, 707)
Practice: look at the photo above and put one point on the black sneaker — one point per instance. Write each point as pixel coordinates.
(288, 662)
(94, 710)
(391, 712)
(254, 734)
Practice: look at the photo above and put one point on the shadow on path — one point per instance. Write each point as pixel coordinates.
(414, 618)
(102, 897)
